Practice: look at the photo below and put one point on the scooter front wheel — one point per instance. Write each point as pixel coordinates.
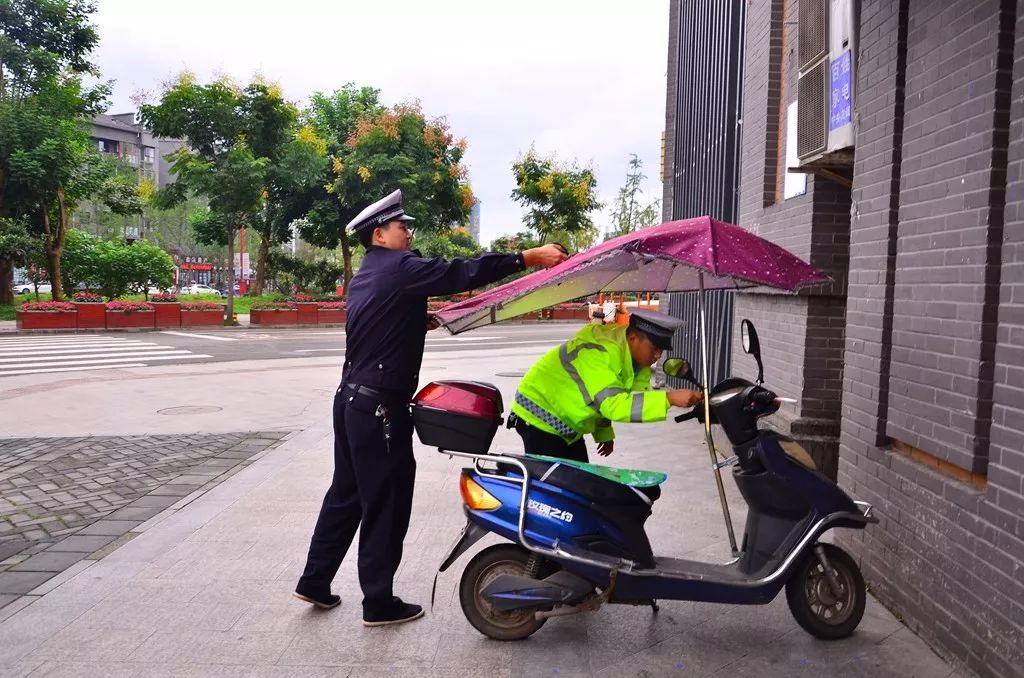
(481, 571)
(826, 609)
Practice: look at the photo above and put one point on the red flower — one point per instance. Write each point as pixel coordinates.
(51, 306)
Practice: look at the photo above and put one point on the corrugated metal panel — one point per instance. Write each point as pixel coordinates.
(686, 342)
(709, 77)
(709, 73)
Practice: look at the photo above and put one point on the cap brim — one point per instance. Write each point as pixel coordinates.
(404, 217)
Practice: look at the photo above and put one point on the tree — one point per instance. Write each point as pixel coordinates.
(15, 250)
(219, 162)
(130, 268)
(559, 197)
(78, 264)
(297, 159)
(45, 163)
(523, 240)
(450, 244)
(376, 149)
(630, 213)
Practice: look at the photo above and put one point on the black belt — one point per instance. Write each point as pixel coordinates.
(367, 391)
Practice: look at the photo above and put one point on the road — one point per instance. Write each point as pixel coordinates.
(54, 354)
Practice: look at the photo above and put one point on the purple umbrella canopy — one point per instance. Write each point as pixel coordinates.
(672, 257)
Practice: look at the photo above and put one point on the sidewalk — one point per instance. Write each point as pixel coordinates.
(204, 589)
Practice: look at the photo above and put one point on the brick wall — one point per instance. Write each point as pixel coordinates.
(801, 336)
(943, 339)
(927, 239)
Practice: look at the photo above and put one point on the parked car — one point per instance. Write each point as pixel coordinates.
(28, 288)
(198, 288)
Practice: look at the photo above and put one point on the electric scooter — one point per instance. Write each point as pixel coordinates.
(575, 531)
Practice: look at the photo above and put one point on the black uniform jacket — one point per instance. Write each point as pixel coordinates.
(387, 311)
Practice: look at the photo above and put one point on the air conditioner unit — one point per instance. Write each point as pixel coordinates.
(827, 82)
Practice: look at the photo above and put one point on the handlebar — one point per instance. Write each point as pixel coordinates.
(688, 415)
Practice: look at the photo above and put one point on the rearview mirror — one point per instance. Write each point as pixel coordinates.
(751, 345)
(680, 369)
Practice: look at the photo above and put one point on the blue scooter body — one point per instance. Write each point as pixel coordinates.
(787, 504)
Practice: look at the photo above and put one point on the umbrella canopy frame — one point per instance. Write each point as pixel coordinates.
(708, 254)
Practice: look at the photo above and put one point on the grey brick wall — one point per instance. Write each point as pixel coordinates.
(927, 239)
(802, 336)
(943, 338)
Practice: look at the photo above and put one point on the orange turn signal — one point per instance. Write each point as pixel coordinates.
(476, 497)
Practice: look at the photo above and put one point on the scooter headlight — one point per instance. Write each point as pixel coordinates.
(476, 497)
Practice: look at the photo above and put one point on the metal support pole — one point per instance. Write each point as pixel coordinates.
(707, 416)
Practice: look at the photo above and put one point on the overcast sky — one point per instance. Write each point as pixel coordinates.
(581, 78)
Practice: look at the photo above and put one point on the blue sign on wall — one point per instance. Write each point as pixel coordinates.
(841, 110)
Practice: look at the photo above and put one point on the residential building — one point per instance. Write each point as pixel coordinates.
(883, 141)
(119, 136)
(474, 221)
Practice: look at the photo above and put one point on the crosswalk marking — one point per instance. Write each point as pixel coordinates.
(64, 353)
(200, 336)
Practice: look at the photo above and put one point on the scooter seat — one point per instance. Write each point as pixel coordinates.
(598, 488)
(624, 476)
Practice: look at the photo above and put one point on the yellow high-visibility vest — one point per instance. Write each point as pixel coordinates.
(587, 383)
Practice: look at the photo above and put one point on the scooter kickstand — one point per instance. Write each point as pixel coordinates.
(654, 606)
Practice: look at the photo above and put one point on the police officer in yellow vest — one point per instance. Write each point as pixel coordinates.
(601, 375)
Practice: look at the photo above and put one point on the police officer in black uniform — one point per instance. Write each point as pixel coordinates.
(374, 467)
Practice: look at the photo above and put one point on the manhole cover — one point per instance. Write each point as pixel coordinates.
(510, 374)
(190, 409)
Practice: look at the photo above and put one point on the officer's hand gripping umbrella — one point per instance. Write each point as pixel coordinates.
(677, 256)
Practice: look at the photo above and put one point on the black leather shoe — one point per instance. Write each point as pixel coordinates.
(395, 612)
(321, 601)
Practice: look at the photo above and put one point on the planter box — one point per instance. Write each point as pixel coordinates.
(212, 318)
(285, 317)
(131, 319)
(307, 313)
(47, 320)
(567, 314)
(91, 315)
(331, 316)
(168, 314)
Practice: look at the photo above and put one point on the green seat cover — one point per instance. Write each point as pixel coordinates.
(624, 476)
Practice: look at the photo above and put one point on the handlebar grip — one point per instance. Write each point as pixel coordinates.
(763, 397)
(688, 415)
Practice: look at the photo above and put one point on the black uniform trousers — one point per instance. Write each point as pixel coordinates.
(536, 441)
(371, 490)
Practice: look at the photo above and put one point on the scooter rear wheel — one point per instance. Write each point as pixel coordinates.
(482, 570)
(816, 607)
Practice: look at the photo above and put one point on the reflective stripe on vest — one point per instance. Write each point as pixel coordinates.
(551, 420)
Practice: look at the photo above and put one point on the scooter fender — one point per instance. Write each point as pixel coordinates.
(471, 534)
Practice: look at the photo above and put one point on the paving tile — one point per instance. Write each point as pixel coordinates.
(82, 543)
(110, 528)
(82, 644)
(134, 513)
(21, 582)
(75, 669)
(48, 561)
(153, 501)
(212, 647)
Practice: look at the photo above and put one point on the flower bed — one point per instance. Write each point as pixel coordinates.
(130, 314)
(306, 312)
(92, 312)
(274, 313)
(566, 312)
(202, 314)
(167, 309)
(47, 315)
(330, 313)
